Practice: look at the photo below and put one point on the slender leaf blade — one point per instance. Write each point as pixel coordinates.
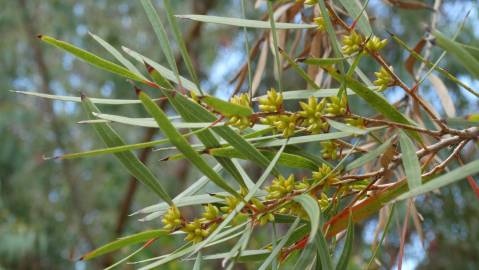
(134, 166)
(123, 242)
(243, 22)
(92, 59)
(182, 144)
(410, 161)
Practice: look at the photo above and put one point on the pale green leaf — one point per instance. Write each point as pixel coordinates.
(123, 242)
(182, 144)
(92, 59)
(457, 174)
(410, 162)
(226, 108)
(134, 166)
(243, 22)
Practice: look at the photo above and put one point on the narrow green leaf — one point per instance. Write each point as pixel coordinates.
(92, 59)
(410, 161)
(226, 108)
(244, 22)
(370, 155)
(347, 128)
(385, 231)
(246, 256)
(123, 242)
(148, 122)
(305, 94)
(251, 193)
(299, 70)
(279, 246)
(277, 60)
(189, 191)
(106, 101)
(286, 159)
(222, 237)
(198, 262)
(377, 102)
(307, 257)
(166, 73)
(182, 144)
(331, 33)
(348, 246)
(323, 62)
(354, 8)
(323, 252)
(470, 63)
(193, 112)
(310, 205)
(134, 166)
(161, 34)
(457, 174)
(118, 56)
(181, 43)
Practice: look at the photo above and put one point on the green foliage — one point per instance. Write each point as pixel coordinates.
(340, 156)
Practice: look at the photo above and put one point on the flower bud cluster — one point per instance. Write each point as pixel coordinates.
(383, 79)
(241, 122)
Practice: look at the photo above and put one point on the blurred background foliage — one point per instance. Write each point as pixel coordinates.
(52, 212)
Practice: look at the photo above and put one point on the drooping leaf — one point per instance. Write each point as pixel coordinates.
(123, 242)
(182, 144)
(410, 161)
(348, 247)
(277, 248)
(311, 207)
(92, 59)
(243, 22)
(134, 166)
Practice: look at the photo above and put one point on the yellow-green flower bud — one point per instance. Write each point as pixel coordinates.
(337, 106)
(329, 149)
(211, 212)
(325, 173)
(352, 43)
(383, 79)
(273, 102)
(312, 112)
(231, 202)
(286, 124)
(375, 44)
(320, 23)
(310, 2)
(356, 122)
(265, 218)
(171, 219)
(194, 231)
(323, 201)
(240, 122)
(280, 187)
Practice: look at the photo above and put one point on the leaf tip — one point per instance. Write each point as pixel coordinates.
(39, 36)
